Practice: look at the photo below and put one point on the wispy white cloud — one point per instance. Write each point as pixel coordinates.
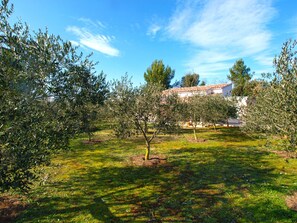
(153, 30)
(89, 22)
(222, 31)
(209, 62)
(264, 59)
(74, 43)
(98, 42)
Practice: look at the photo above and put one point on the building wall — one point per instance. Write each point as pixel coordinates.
(224, 91)
(217, 91)
(190, 94)
(227, 90)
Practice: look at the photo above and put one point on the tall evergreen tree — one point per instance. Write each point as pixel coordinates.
(240, 76)
(158, 74)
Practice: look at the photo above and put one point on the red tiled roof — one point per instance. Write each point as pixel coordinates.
(196, 88)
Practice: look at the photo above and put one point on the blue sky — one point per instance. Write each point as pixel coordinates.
(202, 36)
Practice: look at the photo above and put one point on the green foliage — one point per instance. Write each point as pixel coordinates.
(87, 92)
(120, 105)
(134, 110)
(273, 109)
(190, 80)
(42, 82)
(203, 83)
(158, 74)
(240, 76)
(209, 109)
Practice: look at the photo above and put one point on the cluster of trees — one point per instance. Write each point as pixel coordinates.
(209, 109)
(147, 111)
(48, 93)
(162, 75)
(240, 75)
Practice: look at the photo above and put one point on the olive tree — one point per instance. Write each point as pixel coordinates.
(137, 109)
(192, 111)
(87, 92)
(273, 109)
(38, 97)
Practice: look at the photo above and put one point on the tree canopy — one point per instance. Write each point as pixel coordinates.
(158, 74)
(190, 80)
(136, 109)
(43, 82)
(273, 109)
(240, 76)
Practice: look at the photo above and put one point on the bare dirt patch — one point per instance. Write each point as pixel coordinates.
(92, 142)
(155, 160)
(197, 140)
(291, 201)
(286, 154)
(10, 208)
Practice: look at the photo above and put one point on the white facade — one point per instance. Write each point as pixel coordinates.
(185, 92)
(227, 90)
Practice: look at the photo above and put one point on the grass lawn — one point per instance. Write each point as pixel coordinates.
(227, 178)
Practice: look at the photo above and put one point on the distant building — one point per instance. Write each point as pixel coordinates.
(185, 92)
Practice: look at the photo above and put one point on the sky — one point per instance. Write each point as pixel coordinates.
(201, 36)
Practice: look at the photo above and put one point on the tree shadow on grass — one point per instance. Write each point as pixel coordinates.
(231, 135)
(237, 173)
(199, 185)
(50, 210)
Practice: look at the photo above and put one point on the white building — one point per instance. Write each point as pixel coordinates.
(184, 92)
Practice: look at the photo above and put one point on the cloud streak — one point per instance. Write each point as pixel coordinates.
(222, 31)
(153, 30)
(89, 22)
(98, 42)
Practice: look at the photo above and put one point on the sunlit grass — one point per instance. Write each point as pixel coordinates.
(227, 178)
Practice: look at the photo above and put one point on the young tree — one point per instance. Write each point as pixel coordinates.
(158, 74)
(190, 80)
(193, 111)
(240, 76)
(137, 108)
(273, 109)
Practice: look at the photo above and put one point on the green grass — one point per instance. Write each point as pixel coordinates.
(228, 178)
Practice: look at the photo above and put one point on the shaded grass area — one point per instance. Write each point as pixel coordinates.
(228, 178)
